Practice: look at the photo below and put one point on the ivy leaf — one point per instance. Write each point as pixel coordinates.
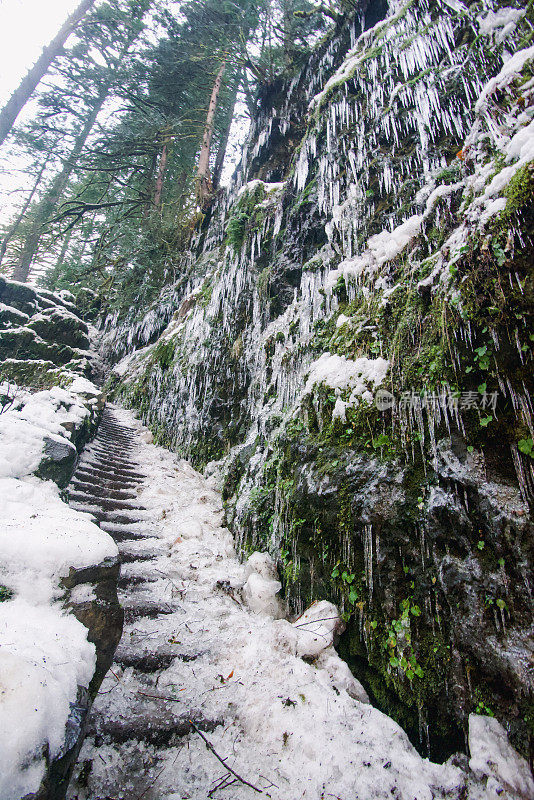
(526, 446)
(409, 674)
(485, 421)
(394, 661)
(353, 596)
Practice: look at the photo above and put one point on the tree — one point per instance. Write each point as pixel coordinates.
(85, 86)
(29, 83)
(12, 230)
(50, 199)
(204, 185)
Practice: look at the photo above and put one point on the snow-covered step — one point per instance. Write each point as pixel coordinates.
(155, 724)
(128, 555)
(108, 473)
(145, 607)
(111, 504)
(98, 490)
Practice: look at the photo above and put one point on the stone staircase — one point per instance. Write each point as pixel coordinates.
(105, 485)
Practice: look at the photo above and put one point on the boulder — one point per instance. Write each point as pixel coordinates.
(24, 343)
(493, 757)
(61, 326)
(58, 461)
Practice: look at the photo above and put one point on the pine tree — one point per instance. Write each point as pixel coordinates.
(29, 83)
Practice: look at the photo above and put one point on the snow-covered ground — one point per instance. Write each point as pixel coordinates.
(44, 652)
(289, 717)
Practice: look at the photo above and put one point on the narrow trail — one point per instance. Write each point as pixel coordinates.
(196, 665)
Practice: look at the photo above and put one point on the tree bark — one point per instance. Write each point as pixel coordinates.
(27, 86)
(51, 198)
(204, 187)
(161, 174)
(14, 228)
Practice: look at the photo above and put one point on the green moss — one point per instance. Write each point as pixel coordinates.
(245, 217)
(164, 353)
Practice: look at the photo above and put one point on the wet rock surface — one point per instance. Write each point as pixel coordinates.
(41, 333)
(393, 238)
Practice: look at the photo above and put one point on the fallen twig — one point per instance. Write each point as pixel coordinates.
(161, 697)
(223, 762)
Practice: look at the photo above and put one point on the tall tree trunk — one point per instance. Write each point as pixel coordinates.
(14, 228)
(203, 173)
(161, 174)
(27, 86)
(50, 200)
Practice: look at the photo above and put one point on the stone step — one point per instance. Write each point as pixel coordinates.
(97, 490)
(150, 661)
(98, 462)
(104, 516)
(124, 535)
(127, 557)
(110, 474)
(115, 435)
(108, 458)
(127, 581)
(120, 485)
(144, 607)
(157, 725)
(111, 504)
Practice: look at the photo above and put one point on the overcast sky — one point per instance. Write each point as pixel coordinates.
(25, 27)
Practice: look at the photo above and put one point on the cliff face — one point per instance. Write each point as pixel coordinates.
(349, 338)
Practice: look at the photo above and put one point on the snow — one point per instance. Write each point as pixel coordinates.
(43, 415)
(316, 628)
(505, 18)
(251, 186)
(508, 73)
(297, 726)
(388, 244)
(22, 317)
(262, 586)
(342, 74)
(44, 656)
(494, 757)
(344, 374)
(44, 652)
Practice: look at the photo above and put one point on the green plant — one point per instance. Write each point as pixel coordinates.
(5, 593)
(526, 446)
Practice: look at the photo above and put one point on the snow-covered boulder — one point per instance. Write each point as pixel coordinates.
(312, 633)
(339, 675)
(317, 628)
(262, 586)
(494, 758)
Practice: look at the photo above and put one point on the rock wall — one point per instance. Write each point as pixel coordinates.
(350, 340)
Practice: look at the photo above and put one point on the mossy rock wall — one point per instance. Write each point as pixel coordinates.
(413, 516)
